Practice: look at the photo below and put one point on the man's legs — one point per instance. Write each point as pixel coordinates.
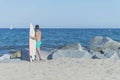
(38, 52)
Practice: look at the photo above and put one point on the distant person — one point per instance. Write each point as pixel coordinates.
(38, 40)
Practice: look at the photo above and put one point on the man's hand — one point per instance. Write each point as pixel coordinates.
(32, 37)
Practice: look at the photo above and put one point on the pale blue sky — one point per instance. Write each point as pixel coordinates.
(60, 13)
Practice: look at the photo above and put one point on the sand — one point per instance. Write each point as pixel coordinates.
(62, 69)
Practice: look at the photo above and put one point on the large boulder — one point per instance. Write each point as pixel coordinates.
(5, 57)
(74, 51)
(98, 55)
(25, 55)
(15, 55)
(106, 53)
(100, 43)
(115, 56)
(104, 45)
(22, 54)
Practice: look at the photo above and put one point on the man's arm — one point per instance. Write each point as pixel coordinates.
(33, 37)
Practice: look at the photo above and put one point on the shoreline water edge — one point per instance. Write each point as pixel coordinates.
(100, 48)
(58, 43)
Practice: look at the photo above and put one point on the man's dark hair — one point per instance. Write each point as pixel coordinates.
(36, 26)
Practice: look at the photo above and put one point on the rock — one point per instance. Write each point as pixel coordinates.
(95, 57)
(103, 45)
(115, 56)
(80, 47)
(50, 56)
(67, 53)
(118, 52)
(25, 55)
(15, 55)
(100, 48)
(74, 51)
(87, 55)
(100, 43)
(5, 56)
(108, 52)
(98, 55)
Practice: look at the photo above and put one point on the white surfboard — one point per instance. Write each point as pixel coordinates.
(32, 43)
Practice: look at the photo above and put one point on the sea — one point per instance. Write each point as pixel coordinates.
(52, 38)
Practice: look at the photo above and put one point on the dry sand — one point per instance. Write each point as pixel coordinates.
(62, 69)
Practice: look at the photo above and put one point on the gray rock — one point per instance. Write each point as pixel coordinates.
(100, 43)
(108, 52)
(74, 51)
(115, 56)
(87, 55)
(98, 55)
(95, 57)
(104, 46)
(25, 55)
(68, 53)
(5, 57)
(118, 52)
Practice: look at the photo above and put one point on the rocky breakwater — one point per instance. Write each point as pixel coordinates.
(100, 48)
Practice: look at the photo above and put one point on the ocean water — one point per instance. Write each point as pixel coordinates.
(17, 39)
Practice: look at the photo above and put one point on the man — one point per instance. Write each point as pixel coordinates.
(38, 40)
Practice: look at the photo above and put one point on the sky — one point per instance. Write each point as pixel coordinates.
(60, 13)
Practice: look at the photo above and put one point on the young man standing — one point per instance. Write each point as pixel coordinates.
(38, 40)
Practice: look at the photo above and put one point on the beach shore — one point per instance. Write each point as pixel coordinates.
(62, 69)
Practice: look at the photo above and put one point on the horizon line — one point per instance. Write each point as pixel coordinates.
(65, 28)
